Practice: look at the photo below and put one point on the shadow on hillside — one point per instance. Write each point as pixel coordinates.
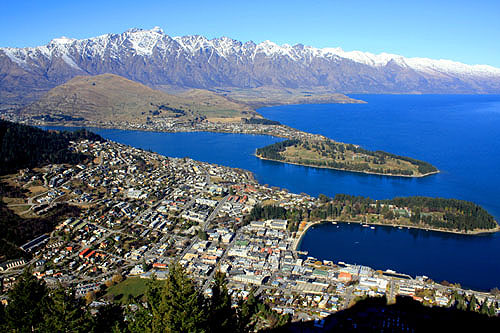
(406, 315)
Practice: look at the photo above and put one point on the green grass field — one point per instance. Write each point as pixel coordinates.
(134, 286)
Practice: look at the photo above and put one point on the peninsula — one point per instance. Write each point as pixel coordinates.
(437, 214)
(111, 101)
(325, 153)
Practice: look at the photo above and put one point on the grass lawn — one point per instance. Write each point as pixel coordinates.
(134, 286)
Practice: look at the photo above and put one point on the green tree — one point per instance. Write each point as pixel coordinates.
(202, 234)
(63, 312)
(247, 310)
(26, 302)
(221, 316)
(182, 307)
(323, 198)
(472, 303)
(484, 309)
(109, 319)
(139, 320)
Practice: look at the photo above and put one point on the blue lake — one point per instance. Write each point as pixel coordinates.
(460, 134)
(472, 261)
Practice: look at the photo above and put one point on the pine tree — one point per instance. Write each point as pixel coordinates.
(140, 320)
(247, 309)
(492, 311)
(484, 308)
(182, 307)
(472, 303)
(62, 312)
(222, 317)
(26, 299)
(109, 319)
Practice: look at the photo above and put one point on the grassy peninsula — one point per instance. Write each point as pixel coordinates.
(325, 153)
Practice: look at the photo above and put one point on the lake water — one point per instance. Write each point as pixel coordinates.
(472, 261)
(459, 134)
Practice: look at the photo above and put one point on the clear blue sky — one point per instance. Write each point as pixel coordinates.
(465, 31)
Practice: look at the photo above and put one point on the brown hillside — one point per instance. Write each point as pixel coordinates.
(110, 97)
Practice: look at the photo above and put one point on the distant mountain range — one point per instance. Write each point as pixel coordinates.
(155, 59)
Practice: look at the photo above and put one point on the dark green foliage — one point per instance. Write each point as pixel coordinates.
(202, 235)
(182, 307)
(33, 307)
(57, 118)
(179, 306)
(221, 316)
(323, 198)
(176, 306)
(24, 146)
(62, 312)
(272, 151)
(174, 110)
(449, 214)
(248, 309)
(110, 318)
(333, 150)
(26, 304)
(457, 214)
(259, 212)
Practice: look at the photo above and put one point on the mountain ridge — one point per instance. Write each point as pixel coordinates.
(156, 59)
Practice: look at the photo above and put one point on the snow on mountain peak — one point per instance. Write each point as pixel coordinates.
(62, 40)
(142, 42)
(158, 30)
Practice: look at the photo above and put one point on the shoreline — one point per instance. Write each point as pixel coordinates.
(124, 128)
(193, 130)
(347, 170)
(395, 225)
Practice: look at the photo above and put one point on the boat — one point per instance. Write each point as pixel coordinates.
(372, 228)
(400, 227)
(334, 222)
(365, 225)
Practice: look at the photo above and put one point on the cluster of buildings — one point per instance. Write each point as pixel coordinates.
(173, 124)
(141, 211)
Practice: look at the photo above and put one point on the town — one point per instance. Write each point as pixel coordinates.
(140, 211)
(174, 125)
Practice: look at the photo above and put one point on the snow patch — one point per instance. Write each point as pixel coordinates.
(11, 53)
(70, 62)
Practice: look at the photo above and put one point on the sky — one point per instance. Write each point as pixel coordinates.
(465, 31)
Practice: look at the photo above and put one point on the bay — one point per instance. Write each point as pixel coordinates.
(459, 134)
(472, 261)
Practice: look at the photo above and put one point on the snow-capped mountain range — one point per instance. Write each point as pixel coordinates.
(156, 59)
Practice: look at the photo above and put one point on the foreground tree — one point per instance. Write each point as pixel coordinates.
(222, 317)
(63, 312)
(182, 307)
(26, 302)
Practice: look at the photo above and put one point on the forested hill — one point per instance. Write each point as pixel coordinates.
(421, 212)
(23, 146)
(326, 153)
